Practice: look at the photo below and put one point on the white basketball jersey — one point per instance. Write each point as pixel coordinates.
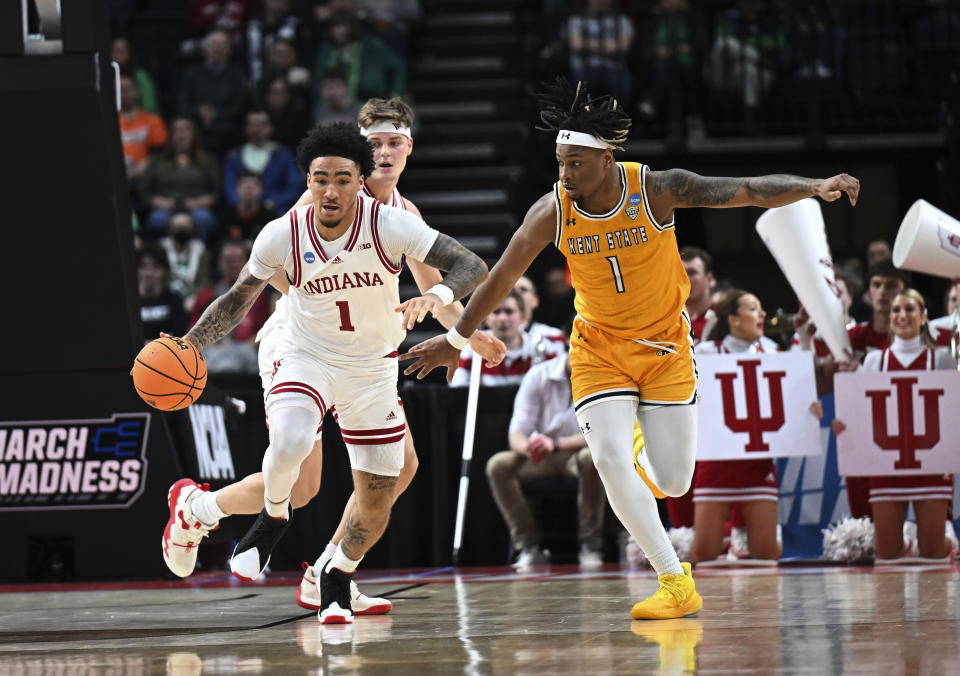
(343, 293)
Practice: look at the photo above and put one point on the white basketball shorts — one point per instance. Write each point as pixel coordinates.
(368, 408)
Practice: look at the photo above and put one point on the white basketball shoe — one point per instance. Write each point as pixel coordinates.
(184, 531)
(308, 596)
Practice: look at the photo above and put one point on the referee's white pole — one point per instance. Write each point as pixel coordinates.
(469, 427)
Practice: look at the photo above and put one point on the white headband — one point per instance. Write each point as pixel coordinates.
(577, 138)
(386, 127)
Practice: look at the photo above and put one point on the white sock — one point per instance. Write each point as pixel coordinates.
(342, 561)
(665, 561)
(325, 556)
(206, 509)
(278, 510)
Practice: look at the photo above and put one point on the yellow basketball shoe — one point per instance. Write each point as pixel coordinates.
(677, 597)
(637, 451)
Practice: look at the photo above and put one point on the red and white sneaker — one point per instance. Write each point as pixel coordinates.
(184, 531)
(308, 596)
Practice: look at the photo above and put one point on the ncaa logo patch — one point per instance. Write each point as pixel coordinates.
(309, 257)
(634, 198)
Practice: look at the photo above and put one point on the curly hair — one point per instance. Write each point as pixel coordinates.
(575, 110)
(337, 139)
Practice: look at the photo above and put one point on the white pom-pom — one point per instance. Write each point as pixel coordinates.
(738, 544)
(682, 541)
(635, 555)
(849, 540)
(910, 548)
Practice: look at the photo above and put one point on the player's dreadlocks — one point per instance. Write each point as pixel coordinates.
(338, 139)
(575, 110)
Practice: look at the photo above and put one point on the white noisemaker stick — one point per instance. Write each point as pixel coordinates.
(469, 427)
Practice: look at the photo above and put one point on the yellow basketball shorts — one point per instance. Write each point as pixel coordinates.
(660, 370)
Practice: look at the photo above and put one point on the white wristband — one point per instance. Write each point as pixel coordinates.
(455, 339)
(444, 293)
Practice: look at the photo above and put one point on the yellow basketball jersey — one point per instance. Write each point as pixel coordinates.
(624, 266)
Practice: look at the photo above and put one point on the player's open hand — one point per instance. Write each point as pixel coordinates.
(489, 347)
(831, 189)
(416, 309)
(429, 355)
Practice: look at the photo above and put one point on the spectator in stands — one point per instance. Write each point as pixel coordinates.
(160, 308)
(182, 177)
(599, 42)
(189, 260)
(140, 131)
(392, 21)
(335, 103)
(747, 50)
(213, 93)
(506, 324)
(236, 353)
(283, 62)
(557, 302)
(545, 441)
(282, 181)
(879, 250)
(274, 20)
(243, 220)
(372, 69)
(672, 87)
(228, 16)
(943, 327)
(531, 301)
(699, 266)
(122, 52)
(289, 115)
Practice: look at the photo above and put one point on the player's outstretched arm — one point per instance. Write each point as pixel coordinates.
(465, 269)
(226, 311)
(538, 230)
(678, 188)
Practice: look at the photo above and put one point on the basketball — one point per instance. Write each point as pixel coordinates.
(169, 373)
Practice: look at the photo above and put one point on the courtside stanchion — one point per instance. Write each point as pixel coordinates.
(468, 431)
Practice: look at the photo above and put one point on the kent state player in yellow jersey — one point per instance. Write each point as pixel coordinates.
(631, 349)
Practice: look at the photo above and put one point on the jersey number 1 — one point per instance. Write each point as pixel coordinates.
(617, 277)
(345, 324)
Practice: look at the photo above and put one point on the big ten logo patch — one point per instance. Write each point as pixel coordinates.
(214, 460)
(73, 464)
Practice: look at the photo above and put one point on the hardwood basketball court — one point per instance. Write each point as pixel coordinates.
(559, 620)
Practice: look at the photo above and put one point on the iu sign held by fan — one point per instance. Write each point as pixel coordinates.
(901, 422)
(755, 406)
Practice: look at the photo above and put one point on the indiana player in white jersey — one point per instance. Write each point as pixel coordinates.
(341, 256)
(387, 126)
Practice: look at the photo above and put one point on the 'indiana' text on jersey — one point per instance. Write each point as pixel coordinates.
(624, 266)
(342, 282)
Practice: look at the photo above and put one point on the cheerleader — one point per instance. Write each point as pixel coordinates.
(718, 484)
(913, 349)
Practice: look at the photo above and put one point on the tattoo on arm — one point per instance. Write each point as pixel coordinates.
(224, 313)
(464, 268)
(692, 190)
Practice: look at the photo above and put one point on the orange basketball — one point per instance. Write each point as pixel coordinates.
(169, 373)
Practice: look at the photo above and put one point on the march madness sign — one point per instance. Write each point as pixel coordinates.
(73, 464)
(756, 406)
(898, 422)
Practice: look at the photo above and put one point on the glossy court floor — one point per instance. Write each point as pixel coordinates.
(559, 620)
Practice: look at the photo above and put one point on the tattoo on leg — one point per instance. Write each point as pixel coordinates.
(378, 482)
(355, 536)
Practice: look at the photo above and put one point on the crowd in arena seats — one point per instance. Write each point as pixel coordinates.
(209, 131)
(736, 66)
